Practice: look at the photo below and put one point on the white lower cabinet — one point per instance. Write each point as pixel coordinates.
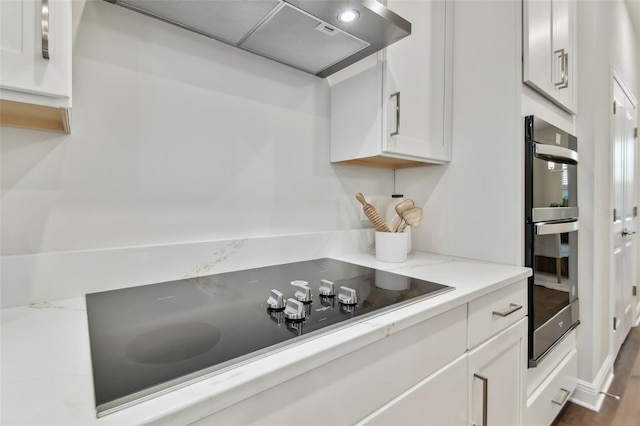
(348, 389)
(496, 376)
(432, 373)
(440, 399)
(548, 399)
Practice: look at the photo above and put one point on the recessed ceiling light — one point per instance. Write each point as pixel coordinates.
(349, 15)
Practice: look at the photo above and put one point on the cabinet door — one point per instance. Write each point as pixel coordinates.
(417, 83)
(549, 49)
(23, 65)
(537, 44)
(440, 399)
(496, 376)
(563, 59)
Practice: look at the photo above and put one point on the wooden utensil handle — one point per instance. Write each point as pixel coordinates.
(373, 215)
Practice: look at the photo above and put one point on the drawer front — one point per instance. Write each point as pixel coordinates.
(546, 402)
(494, 312)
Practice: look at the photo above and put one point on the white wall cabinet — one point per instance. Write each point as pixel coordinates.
(35, 63)
(549, 50)
(496, 374)
(393, 109)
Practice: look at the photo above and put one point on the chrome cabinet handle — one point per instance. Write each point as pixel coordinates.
(485, 396)
(397, 95)
(564, 397)
(560, 56)
(564, 69)
(45, 29)
(512, 308)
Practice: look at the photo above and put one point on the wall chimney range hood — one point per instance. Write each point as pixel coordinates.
(309, 35)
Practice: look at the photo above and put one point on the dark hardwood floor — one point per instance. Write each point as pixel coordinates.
(626, 384)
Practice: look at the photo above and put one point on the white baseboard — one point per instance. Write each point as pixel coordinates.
(587, 394)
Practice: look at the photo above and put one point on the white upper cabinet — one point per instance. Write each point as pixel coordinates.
(393, 109)
(35, 58)
(549, 50)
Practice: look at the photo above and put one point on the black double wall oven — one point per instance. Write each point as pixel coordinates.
(551, 234)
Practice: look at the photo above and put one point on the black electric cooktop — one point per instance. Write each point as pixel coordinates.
(149, 339)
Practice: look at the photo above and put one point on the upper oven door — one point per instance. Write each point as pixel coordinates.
(551, 172)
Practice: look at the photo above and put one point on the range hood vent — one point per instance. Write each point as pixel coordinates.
(305, 34)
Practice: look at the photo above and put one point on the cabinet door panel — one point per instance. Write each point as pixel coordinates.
(440, 400)
(537, 44)
(563, 52)
(417, 69)
(496, 372)
(23, 66)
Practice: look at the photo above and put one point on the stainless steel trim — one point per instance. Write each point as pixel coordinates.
(512, 308)
(560, 54)
(45, 29)
(555, 153)
(551, 331)
(485, 396)
(546, 214)
(397, 95)
(564, 397)
(545, 228)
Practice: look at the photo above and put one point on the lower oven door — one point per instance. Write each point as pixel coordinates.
(553, 287)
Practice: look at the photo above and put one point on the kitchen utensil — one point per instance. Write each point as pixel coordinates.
(372, 214)
(401, 207)
(411, 217)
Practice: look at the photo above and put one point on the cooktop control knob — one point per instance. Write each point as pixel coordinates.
(294, 310)
(327, 288)
(276, 300)
(303, 294)
(347, 296)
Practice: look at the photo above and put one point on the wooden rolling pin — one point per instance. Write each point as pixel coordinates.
(373, 215)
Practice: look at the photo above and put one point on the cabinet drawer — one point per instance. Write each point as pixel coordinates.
(496, 311)
(547, 401)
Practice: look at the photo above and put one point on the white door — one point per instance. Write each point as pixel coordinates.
(624, 214)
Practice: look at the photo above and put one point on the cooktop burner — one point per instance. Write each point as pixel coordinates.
(150, 339)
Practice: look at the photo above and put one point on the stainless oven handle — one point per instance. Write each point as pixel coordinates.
(556, 228)
(555, 153)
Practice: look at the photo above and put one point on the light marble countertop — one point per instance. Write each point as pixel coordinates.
(46, 362)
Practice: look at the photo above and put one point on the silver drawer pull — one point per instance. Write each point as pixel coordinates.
(512, 308)
(45, 29)
(485, 396)
(564, 397)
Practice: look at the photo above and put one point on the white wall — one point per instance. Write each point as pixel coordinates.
(175, 137)
(605, 42)
(474, 206)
